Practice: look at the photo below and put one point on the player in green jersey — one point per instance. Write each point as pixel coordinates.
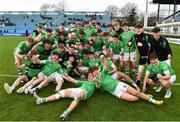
(164, 73)
(112, 70)
(129, 56)
(83, 92)
(21, 53)
(120, 89)
(34, 70)
(50, 72)
(43, 48)
(116, 49)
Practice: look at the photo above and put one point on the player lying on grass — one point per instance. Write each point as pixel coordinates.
(83, 92)
(21, 52)
(112, 70)
(34, 70)
(120, 89)
(51, 69)
(164, 73)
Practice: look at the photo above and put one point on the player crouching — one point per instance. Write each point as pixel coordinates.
(164, 73)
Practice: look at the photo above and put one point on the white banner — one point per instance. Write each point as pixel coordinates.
(173, 40)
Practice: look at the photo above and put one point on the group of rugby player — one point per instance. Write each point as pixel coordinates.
(107, 59)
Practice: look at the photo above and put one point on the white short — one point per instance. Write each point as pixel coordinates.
(56, 76)
(41, 74)
(120, 89)
(168, 61)
(172, 79)
(132, 56)
(75, 91)
(116, 57)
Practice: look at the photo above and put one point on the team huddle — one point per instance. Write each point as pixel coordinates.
(93, 59)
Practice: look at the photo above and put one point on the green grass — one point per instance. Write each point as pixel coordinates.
(101, 106)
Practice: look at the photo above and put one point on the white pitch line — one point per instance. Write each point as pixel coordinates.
(176, 84)
(8, 75)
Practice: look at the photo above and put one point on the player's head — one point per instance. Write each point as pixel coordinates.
(30, 41)
(34, 55)
(72, 58)
(94, 36)
(63, 36)
(116, 25)
(106, 36)
(110, 27)
(79, 26)
(61, 47)
(48, 32)
(90, 75)
(56, 32)
(115, 37)
(138, 28)
(86, 24)
(125, 26)
(153, 59)
(47, 44)
(98, 25)
(39, 29)
(101, 56)
(72, 36)
(81, 34)
(95, 71)
(156, 33)
(62, 26)
(91, 55)
(55, 57)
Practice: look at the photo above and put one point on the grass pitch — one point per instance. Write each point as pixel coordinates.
(101, 106)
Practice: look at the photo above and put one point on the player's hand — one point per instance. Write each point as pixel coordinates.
(139, 44)
(169, 56)
(129, 44)
(159, 76)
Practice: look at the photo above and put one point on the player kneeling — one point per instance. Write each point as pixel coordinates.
(164, 73)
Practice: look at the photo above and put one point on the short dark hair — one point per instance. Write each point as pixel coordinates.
(110, 25)
(116, 35)
(101, 54)
(138, 25)
(39, 26)
(105, 34)
(125, 24)
(48, 30)
(62, 24)
(92, 69)
(47, 41)
(98, 23)
(156, 30)
(152, 56)
(55, 53)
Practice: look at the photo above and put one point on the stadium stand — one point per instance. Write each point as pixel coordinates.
(19, 22)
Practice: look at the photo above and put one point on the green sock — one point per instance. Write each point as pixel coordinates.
(43, 100)
(126, 70)
(19, 71)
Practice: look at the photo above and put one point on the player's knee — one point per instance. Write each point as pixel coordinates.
(165, 84)
(57, 96)
(60, 94)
